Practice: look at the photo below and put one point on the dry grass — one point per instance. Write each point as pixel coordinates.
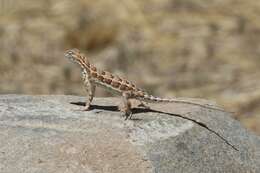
(188, 48)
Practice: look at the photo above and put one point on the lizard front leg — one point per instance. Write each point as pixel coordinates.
(90, 88)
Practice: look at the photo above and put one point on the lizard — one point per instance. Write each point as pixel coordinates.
(93, 77)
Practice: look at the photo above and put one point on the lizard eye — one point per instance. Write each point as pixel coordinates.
(68, 53)
(72, 55)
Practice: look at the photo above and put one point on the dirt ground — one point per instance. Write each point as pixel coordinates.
(183, 48)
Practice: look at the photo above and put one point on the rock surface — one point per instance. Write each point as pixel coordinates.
(49, 134)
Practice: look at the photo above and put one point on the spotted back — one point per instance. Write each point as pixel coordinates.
(103, 78)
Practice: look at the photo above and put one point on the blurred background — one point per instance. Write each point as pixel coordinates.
(186, 48)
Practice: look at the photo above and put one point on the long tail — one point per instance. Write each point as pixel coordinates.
(153, 99)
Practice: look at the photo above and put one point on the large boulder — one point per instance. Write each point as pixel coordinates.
(47, 134)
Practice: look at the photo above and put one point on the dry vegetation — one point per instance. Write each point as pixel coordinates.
(188, 48)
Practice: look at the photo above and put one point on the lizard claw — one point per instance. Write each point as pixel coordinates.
(128, 115)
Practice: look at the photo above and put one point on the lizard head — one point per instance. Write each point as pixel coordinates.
(75, 56)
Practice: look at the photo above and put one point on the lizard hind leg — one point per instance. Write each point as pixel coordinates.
(126, 107)
(143, 105)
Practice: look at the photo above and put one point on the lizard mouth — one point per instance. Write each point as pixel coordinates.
(69, 54)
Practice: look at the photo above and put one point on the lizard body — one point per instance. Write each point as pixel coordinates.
(93, 77)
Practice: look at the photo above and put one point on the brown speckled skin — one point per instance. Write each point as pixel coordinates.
(93, 77)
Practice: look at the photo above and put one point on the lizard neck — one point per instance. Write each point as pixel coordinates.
(84, 64)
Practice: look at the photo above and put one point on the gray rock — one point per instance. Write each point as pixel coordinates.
(47, 134)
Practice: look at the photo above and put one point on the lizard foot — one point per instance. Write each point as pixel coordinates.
(128, 115)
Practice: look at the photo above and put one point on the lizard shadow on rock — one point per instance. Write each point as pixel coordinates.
(92, 107)
(115, 108)
(143, 110)
(140, 110)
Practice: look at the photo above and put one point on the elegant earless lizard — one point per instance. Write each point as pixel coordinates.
(93, 77)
